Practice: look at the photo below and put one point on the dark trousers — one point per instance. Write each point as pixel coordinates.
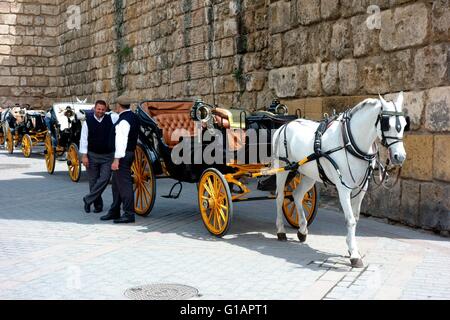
(122, 187)
(99, 173)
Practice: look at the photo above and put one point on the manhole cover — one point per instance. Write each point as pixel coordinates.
(161, 292)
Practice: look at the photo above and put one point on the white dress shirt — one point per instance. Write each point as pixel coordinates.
(85, 131)
(122, 130)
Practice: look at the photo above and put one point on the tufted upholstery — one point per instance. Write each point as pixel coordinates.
(172, 117)
(174, 126)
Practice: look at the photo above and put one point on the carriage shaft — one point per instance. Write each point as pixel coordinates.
(290, 167)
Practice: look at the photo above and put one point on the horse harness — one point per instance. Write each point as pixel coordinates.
(349, 145)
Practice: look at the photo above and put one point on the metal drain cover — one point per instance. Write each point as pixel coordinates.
(162, 292)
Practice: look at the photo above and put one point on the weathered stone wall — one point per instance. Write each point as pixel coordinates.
(316, 55)
(28, 52)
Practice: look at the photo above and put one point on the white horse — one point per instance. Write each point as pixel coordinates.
(369, 120)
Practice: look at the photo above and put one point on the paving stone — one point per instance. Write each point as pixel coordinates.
(50, 249)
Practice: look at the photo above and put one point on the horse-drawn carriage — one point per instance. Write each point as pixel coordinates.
(171, 130)
(64, 121)
(23, 127)
(9, 120)
(2, 132)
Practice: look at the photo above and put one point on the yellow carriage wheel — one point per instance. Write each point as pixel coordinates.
(74, 163)
(9, 140)
(215, 202)
(49, 154)
(144, 182)
(26, 145)
(310, 203)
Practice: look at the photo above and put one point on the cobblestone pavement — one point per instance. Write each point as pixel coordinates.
(51, 249)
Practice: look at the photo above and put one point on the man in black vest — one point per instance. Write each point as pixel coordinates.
(97, 153)
(125, 140)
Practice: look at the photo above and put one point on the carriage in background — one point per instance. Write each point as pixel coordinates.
(2, 132)
(219, 185)
(11, 117)
(23, 127)
(32, 130)
(64, 121)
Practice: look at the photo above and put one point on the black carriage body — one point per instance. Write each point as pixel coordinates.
(151, 138)
(34, 123)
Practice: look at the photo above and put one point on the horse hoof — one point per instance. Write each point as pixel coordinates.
(282, 236)
(357, 263)
(301, 237)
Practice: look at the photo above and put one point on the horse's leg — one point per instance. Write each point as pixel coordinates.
(344, 198)
(298, 194)
(356, 203)
(281, 181)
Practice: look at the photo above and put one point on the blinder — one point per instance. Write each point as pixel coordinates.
(408, 124)
(385, 117)
(385, 126)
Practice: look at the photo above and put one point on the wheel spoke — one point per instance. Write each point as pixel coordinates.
(218, 222)
(211, 187)
(208, 189)
(223, 214)
(209, 215)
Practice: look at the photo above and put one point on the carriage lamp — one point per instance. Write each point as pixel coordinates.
(68, 112)
(278, 108)
(201, 111)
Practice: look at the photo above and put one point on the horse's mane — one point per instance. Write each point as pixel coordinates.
(363, 104)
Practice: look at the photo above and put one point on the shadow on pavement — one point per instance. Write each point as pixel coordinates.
(56, 198)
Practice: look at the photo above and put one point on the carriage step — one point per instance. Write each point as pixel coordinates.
(170, 195)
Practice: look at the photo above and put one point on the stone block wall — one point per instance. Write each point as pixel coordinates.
(28, 52)
(315, 55)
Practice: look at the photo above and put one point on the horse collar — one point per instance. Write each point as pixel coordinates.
(349, 142)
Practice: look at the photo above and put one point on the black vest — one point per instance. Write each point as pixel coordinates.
(133, 120)
(99, 134)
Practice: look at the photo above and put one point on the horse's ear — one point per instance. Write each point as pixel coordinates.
(383, 102)
(399, 101)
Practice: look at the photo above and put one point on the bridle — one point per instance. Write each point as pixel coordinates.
(384, 120)
(351, 146)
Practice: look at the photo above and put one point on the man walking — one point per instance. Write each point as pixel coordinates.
(126, 135)
(97, 153)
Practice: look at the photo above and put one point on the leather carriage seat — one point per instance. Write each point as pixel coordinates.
(175, 126)
(172, 117)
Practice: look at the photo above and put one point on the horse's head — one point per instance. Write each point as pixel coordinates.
(391, 124)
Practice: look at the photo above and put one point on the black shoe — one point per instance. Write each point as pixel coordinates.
(87, 206)
(97, 210)
(125, 219)
(109, 216)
